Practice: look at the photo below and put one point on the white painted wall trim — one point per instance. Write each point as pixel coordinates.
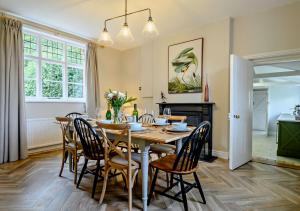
(274, 57)
(220, 154)
(42, 132)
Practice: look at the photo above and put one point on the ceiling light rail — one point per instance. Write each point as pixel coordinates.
(125, 34)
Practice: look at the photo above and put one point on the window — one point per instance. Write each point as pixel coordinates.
(53, 68)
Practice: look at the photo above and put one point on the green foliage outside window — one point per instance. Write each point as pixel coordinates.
(30, 45)
(75, 80)
(75, 55)
(52, 80)
(52, 50)
(30, 67)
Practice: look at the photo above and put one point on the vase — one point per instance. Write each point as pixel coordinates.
(116, 114)
(206, 93)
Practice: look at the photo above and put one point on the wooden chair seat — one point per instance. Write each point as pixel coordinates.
(117, 159)
(162, 148)
(167, 163)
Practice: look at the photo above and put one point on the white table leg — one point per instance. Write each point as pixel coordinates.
(178, 146)
(145, 164)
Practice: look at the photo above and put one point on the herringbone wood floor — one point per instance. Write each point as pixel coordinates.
(33, 184)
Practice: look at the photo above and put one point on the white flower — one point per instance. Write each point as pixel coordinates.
(110, 95)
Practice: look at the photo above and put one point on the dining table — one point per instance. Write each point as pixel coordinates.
(152, 135)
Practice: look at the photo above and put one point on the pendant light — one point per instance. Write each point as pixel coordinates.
(105, 38)
(150, 29)
(125, 35)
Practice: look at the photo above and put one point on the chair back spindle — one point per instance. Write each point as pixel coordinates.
(147, 119)
(189, 155)
(91, 143)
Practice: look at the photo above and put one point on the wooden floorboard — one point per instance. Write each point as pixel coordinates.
(33, 184)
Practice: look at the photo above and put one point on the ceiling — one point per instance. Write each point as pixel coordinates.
(85, 17)
(287, 73)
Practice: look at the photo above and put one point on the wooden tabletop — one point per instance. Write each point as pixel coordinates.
(157, 135)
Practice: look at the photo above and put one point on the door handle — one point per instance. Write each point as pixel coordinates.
(236, 116)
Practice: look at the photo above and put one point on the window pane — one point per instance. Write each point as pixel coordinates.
(52, 89)
(52, 72)
(30, 87)
(75, 75)
(52, 50)
(52, 80)
(75, 90)
(30, 68)
(30, 45)
(75, 55)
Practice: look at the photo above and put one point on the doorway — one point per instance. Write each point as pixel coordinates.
(242, 74)
(276, 92)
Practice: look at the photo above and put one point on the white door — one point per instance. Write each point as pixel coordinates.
(260, 109)
(241, 100)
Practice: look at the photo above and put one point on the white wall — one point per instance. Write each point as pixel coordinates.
(147, 66)
(274, 30)
(282, 99)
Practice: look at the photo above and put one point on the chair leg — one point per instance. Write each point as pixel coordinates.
(152, 187)
(63, 163)
(96, 178)
(82, 171)
(199, 187)
(75, 167)
(167, 178)
(66, 156)
(183, 194)
(104, 184)
(70, 162)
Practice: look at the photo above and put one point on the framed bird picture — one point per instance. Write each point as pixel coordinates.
(185, 67)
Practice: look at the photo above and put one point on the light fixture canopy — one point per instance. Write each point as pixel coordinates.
(125, 34)
(150, 29)
(105, 38)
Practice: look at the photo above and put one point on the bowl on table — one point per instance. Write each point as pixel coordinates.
(136, 126)
(160, 121)
(179, 126)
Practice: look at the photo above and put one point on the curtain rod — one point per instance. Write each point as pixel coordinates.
(31, 23)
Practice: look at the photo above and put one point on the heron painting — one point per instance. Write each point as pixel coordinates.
(185, 67)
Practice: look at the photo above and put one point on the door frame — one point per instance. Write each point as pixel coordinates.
(267, 118)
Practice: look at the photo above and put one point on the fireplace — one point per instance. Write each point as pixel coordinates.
(196, 113)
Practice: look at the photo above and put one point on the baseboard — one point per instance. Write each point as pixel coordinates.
(220, 154)
(46, 148)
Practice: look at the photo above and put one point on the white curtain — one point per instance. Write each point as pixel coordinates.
(93, 85)
(13, 133)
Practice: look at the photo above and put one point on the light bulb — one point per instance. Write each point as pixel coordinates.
(125, 34)
(105, 38)
(150, 29)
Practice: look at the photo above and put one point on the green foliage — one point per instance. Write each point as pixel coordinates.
(75, 90)
(193, 85)
(52, 50)
(52, 89)
(52, 80)
(30, 88)
(30, 68)
(74, 55)
(30, 45)
(75, 75)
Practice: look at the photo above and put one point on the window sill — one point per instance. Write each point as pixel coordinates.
(54, 100)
